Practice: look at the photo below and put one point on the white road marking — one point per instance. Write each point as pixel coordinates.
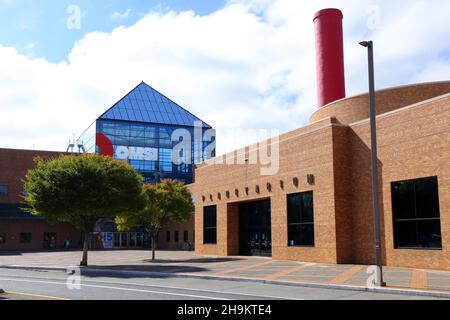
(178, 288)
(118, 288)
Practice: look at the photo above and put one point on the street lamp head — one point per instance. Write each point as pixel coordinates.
(366, 43)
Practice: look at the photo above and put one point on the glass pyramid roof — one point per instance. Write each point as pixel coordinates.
(145, 104)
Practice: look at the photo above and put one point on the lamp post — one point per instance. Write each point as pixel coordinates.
(373, 139)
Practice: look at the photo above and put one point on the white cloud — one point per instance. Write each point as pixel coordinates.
(248, 65)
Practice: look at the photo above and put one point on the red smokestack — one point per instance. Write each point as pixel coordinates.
(329, 56)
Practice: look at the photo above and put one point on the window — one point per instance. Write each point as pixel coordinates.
(4, 191)
(25, 237)
(2, 238)
(210, 225)
(165, 160)
(176, 236)
(50, 240)
(167, 236)
(416, 216)
(300, 208)
(186, 236)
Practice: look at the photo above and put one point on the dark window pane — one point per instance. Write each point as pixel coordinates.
(403, 200)
(209, 236)
(168, 236)
(294, 209)
(210, 217)
(427, 198)
(301, 235)
(300, 208)
(210, 225)
(406, 234)
(176, 236)
(415, 209)
(300, 219)
(307, 207)
(429, 233)
(185, 236)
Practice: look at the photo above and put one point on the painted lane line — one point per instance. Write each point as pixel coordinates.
(225, 291)
(118, 288)
(35, 295)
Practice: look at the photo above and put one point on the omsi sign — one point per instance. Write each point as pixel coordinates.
(136, 153)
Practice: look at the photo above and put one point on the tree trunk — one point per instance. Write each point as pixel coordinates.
(153, 245)
(84, 261)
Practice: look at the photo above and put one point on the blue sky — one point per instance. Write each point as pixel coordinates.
(38, 28)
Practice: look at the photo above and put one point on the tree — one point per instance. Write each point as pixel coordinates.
(82, 189)
(168, 201)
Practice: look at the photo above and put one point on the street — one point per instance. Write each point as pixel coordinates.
(31, 284)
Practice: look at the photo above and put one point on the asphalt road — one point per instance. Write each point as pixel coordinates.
(52, 285)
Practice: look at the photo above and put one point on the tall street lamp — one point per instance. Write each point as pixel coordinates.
(373, 139)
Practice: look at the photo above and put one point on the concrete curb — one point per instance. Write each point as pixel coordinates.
(387, 290)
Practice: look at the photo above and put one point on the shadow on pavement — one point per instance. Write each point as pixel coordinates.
(129, 271)
(193, 260)
(21, 252)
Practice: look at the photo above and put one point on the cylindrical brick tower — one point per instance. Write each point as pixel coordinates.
(329, 56)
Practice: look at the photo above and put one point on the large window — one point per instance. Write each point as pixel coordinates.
(415, 208)
(157, 137)
(210, 225)
(300, 208)
(3, 191)
(176, 236)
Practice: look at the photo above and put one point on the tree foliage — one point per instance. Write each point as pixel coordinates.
(82, 189)
(168, 201)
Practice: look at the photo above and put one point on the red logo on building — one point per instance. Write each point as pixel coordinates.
(104, 144)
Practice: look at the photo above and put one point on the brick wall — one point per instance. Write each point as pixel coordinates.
(172, 227)
(14, 164)
(37, 228)
(413, 142)
(302, 152)
(356, 108)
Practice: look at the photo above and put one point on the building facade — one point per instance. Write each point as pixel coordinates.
(20, 230)
(317, 206)
(160, 140)
(143, 128)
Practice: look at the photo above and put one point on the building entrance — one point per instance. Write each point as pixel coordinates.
(255, 229)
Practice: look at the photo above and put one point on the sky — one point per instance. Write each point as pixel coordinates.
(240, 65)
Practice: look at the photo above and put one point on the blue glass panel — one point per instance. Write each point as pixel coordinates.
(145, 104)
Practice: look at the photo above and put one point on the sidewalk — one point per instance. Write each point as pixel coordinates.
(186, 264)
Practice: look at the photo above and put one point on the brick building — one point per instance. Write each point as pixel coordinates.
(22, 231)
(19, 230)
(143, 128)
(317, 207)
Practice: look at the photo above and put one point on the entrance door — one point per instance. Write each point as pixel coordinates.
(255, 237)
